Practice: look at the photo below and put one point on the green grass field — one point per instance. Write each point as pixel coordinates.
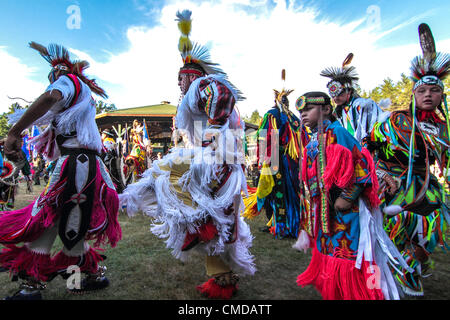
(141, 268)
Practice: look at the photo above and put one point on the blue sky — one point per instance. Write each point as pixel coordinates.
(108, 28)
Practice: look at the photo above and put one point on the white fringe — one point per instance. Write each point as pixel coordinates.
(392, 210)
(375, 246)
(302, 243)
(156, 197)
(80, 118)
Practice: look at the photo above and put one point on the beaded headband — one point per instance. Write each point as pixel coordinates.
(303, 101)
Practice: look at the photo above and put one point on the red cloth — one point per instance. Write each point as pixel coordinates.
(423, 115)
(212, 290)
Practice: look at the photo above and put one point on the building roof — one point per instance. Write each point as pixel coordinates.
(158, 110)
(163, 110)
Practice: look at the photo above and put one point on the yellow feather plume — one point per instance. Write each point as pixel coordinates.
(184, 44)
(185, 27)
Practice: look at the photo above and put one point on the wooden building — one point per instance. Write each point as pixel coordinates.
(159, 120)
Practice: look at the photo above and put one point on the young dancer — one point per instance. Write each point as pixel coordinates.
(341, 221)
(194, 192)
(79, 203)
(406, 145)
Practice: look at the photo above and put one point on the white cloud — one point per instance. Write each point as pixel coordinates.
(252, 49)
(15, 81)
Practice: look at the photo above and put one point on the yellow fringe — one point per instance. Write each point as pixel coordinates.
(269, 224)
(266, 182)
(251, 207)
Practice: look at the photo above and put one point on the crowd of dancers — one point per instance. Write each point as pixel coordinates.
(348, 180)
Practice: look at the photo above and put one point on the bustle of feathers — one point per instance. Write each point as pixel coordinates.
(56, 54)
(200, 55)
(431, 62)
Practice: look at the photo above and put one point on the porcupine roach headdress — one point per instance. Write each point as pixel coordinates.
(341, 78)
(58, 57)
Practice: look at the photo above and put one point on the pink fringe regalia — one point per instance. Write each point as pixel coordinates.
(361, 274)
(28, 225)
(92, 193)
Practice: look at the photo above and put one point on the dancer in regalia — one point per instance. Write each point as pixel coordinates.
(79, 203)
(137, 157)
(341, 220)
(278, 152)
(194, 192)
(356, 114)
(406, 145)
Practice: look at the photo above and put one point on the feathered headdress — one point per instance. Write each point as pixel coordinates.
(432, 67)
(341, 78)
(58, 57)
(196, 58)
(283, 93)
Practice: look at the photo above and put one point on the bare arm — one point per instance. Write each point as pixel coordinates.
(37, 109)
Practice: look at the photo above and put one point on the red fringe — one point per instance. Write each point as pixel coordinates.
(371, 193)
(113, 231)
(36, 265)
(19, 226)
(273, 231)
(339, 167)
(89, 263)
(338, 279)
(251, 190)
(207, 231)
(106, 207)
(213, 291)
